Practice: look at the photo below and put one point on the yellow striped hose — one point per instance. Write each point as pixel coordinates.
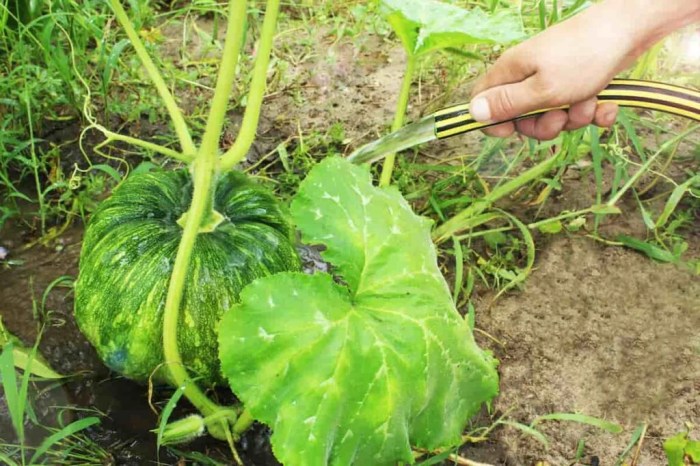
(648, 95)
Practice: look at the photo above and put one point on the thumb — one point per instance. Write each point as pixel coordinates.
(508, 101)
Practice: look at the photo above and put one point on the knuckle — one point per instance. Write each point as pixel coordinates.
(548, 90)
(503, 104)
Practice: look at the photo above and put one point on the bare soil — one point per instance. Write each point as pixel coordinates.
(600, 331)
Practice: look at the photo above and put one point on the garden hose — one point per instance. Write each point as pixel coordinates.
(456, 119)
(647, 95)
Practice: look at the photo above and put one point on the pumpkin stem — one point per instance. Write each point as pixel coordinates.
(258, 86)
(201, 214)
(399, 116)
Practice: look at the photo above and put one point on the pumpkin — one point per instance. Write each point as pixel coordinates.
(127, 257)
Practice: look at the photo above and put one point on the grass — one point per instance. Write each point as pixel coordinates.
(62, 445)
(643, 167)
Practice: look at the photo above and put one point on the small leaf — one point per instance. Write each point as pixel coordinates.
(551, 227)
(576, 224)
(103, 167)
(356, 374)
(675, 449)
(144, 167)
(427, 25)
(605, 209)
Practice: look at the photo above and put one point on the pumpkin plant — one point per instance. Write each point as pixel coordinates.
(354, 367)
(171, 250)
(427, 26)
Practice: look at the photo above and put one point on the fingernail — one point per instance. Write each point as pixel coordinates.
(479, 109)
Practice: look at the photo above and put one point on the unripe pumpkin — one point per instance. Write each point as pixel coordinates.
(127, 258)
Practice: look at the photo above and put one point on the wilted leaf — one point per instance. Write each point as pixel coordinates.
(426, 25)
(356, 374)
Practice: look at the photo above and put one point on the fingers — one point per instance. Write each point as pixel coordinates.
(545, 127)
(548, 126)
(508, 101)
(582, 114)
(606, 114)
(501, 131)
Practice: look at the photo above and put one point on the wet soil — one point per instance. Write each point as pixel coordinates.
(596, 330)
(126, 416)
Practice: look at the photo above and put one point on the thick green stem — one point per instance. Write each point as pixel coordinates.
(244, 421)
(458, 222)
(203, 175)
(399, 117)
(183, 133)
(204, 169)
(258, 85)
(224, 81)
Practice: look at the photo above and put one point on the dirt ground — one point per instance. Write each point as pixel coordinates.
(596, 330)
(600, 331)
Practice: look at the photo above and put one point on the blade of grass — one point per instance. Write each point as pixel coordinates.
(598, 156)
(636, 435)
(529, 243)
(458, 222)
(9, 385)
(67, 431)
(674, 199)
(6, 459)
(623, 118)
(645, 166)
(652, 251)
(459, 269)
(529, 430)
(167, 412)
(581, 419)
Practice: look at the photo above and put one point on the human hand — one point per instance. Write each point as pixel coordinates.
(571, 62)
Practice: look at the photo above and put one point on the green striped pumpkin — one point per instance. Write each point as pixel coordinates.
(127, 257)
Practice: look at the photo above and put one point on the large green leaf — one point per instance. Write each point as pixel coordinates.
(426, 25)
(358, 368)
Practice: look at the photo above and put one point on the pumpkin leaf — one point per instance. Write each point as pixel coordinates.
(357, 368)
(427, 25)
